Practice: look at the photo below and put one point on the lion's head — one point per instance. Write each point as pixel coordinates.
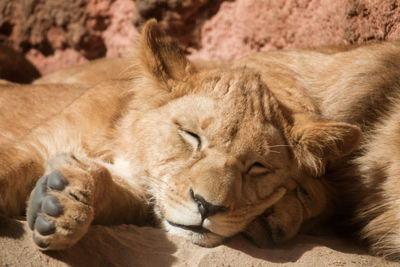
(215, 147)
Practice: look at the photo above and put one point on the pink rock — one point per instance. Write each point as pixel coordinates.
(69, 32)
(57, 37)
(120, 34)
(244, 26)
(60, 59)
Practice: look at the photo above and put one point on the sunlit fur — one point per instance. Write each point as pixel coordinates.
(130, 148)
(358, 85)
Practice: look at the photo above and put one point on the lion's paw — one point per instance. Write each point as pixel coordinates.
(277, 224)
(59, 211)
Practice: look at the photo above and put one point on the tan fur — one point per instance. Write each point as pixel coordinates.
(90, 73)
(249, 138)
(360, 86)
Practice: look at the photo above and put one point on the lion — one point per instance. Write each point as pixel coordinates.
(201, 152)
(90, 73)
(358, 85)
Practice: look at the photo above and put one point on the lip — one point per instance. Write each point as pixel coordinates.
(194, 228)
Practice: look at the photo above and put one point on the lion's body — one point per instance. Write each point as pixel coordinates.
(206, 153)
(25, 107)
(360, 86)
(90, 73)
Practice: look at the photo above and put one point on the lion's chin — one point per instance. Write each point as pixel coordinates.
(197, 235)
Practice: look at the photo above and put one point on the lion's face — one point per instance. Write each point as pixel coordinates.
(215, 148)
(214, 159)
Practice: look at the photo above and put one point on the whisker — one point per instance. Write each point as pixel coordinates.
(280, 146)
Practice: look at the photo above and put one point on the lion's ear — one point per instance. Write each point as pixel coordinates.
(160, 54)
(315, 143)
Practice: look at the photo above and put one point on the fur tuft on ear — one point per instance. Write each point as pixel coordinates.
(161, 55)
(317, 142)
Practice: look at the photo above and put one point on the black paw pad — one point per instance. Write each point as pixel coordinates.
(51, 206)
(41, 201)
(56, 181)
(39, 241)
(36, 200)
(43, 226)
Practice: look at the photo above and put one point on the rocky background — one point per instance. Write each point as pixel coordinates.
(56, 33)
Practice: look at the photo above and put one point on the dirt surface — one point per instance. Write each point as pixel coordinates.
(128, 245)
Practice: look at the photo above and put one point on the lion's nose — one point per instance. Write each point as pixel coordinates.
(205, 208)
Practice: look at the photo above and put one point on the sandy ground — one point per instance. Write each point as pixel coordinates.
(128, 245)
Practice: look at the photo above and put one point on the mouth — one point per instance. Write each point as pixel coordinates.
(197, 234)
(193, 228)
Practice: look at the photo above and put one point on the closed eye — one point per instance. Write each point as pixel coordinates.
(192, 138)
(258, 169)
